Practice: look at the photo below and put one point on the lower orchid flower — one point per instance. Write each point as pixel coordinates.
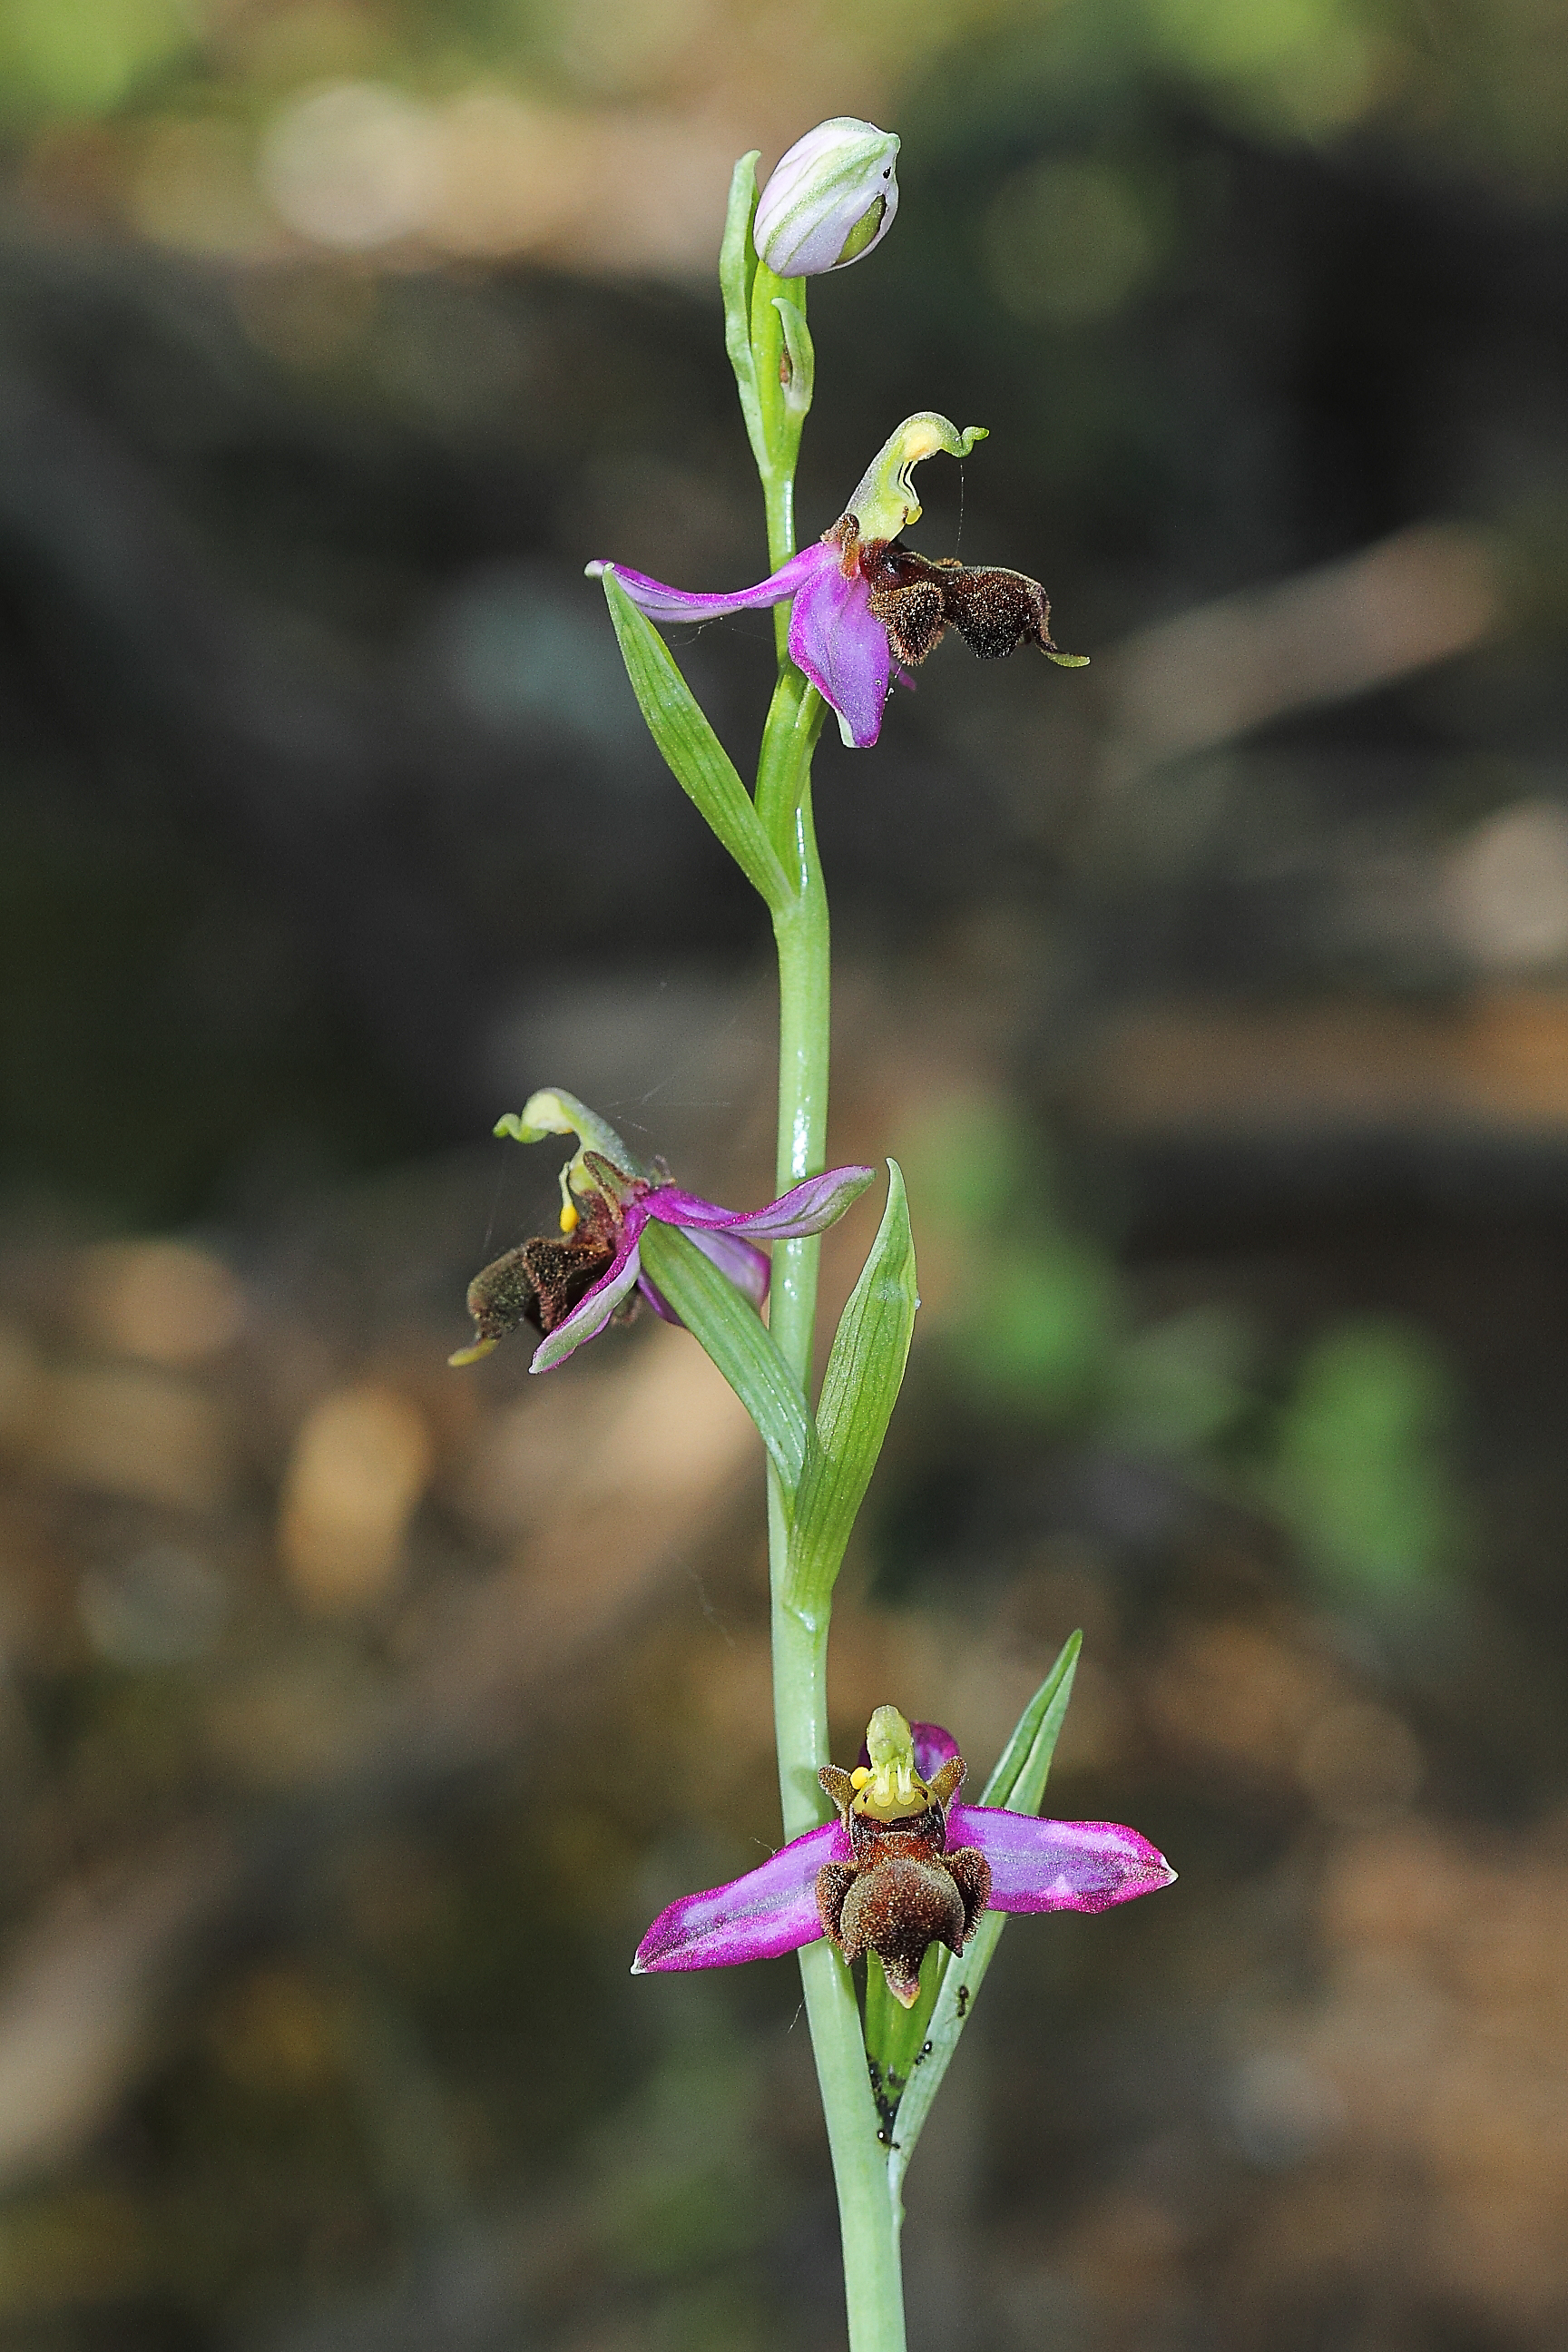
(861, 601)
(569, 1283)
(903, 1867)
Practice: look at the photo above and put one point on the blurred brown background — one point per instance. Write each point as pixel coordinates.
(356, 1715)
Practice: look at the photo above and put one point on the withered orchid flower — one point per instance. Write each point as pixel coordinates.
(903, 1866)
(861, 600)
(569, 1283)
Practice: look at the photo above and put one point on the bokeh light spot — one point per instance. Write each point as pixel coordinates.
(357, 1472)
(354, 165)
(1067, 242)
(1508, 887)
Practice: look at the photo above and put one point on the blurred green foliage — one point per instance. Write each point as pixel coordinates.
(1361, 1471)
(91, 59)
(1038, 1306)
(1038, 1319)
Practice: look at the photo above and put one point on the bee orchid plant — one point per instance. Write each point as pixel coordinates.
(884, 1870)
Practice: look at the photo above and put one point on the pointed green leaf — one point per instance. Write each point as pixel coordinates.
(737, 275)
(701, 766)
(1018, 1783)
(864, 1372)
(728, 1327)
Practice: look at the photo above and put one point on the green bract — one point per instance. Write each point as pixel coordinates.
(696, 760)
(864, 1375)
(739, 1345)
(915, 2046)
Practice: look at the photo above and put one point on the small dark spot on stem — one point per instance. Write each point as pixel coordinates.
(885, 2090)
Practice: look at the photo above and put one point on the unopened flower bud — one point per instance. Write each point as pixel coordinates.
(830, 199)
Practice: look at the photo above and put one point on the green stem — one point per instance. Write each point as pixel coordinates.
(873, 2284)
(801, 937)
(778, 496)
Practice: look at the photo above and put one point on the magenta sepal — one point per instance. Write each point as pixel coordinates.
(665, 603)
(590, 1314)
(1040, 1865)
(771, 1911)
(806, 1208)
(746, 1267)
(834, 635)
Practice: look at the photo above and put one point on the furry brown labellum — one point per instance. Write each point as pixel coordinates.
(904, 1888)
(540, 1281)
(918, 598)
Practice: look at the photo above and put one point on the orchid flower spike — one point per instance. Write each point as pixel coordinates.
(829, 200)
(903, 1866)
(861, 600)
(569, 1283)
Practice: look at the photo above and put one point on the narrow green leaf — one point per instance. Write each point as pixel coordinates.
(895, 2037)
(736, 1338)
(737, 275)
(1018, 1783)
(864, 1372)
(700, 765)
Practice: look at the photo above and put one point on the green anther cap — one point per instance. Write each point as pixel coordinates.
(889, 1789)
(885, 501)
(553, 1111)
(889, 1742)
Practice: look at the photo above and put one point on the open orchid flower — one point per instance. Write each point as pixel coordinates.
(569, 1285)
(903, 1867)
(861, 600)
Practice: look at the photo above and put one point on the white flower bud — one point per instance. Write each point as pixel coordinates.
(830, 199)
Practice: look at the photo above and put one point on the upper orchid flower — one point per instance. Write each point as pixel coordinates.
(568, 1285)
(862, 600)
(901, 1868)
(829, 200)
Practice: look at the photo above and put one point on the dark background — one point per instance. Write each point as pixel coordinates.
(357, 1715)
